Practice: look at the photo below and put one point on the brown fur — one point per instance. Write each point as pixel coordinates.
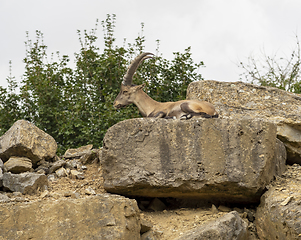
(148, 107)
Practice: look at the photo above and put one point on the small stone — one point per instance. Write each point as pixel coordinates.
(244, 215)
(90, 191)
(61, 172)
(157, 205)
(4, 198)
(145, 226)
(56, 165)
(72, 194)
(90, 156)
(43, 165)
(41, 171)
(286, 201)
(78, 152)
(250, 215)
(51, 177)
(73, 164)
(79, 166)
(214, 209)
(229, 226)
(76, 175)
(17, 194)
(44, 194)
(239, 210)
(224, 208)
(150, 235)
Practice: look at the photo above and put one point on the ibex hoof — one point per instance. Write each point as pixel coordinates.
(186, 117)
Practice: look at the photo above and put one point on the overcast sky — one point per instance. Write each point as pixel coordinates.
(221, 33)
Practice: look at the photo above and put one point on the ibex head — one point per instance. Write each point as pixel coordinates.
(127, 92)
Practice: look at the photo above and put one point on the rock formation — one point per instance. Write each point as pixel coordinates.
(213, 159)
(98, 217)
(278, 215)
(165, 164)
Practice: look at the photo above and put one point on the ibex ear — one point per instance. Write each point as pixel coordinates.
(141, 86)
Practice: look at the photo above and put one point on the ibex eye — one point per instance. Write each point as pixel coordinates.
(125, 91)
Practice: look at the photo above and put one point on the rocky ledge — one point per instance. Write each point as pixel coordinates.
(209, 159)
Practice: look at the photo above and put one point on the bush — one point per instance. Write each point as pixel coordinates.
(280, 72)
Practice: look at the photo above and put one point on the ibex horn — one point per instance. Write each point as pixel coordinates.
(128, 77)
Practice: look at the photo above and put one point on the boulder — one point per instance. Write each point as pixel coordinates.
(18, 165)
(97, 217)
(237, 99)
(24, 139)
(230, 226)
(278, 215)
(215, 159)
(26, 183)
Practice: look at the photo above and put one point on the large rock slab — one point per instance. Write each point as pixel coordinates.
(102, 217)
(214, 159)
(230, 226)
(279, 213)
(24, 139)
(238, 99)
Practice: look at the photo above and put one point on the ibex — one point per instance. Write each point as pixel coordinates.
(148, 107)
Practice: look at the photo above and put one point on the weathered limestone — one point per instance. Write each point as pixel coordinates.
(230, 226)
(61, 172)
(78, 152)
(1, 177)
(237, 99)
(4, 198)
(278, 215)
(102, 217)
(214, 159)
(24, 139)
(56, 165)
(18, 165)
(26, 183)
(84, 154)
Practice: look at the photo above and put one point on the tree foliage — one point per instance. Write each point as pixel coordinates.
(274, 71)
(75, 106)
